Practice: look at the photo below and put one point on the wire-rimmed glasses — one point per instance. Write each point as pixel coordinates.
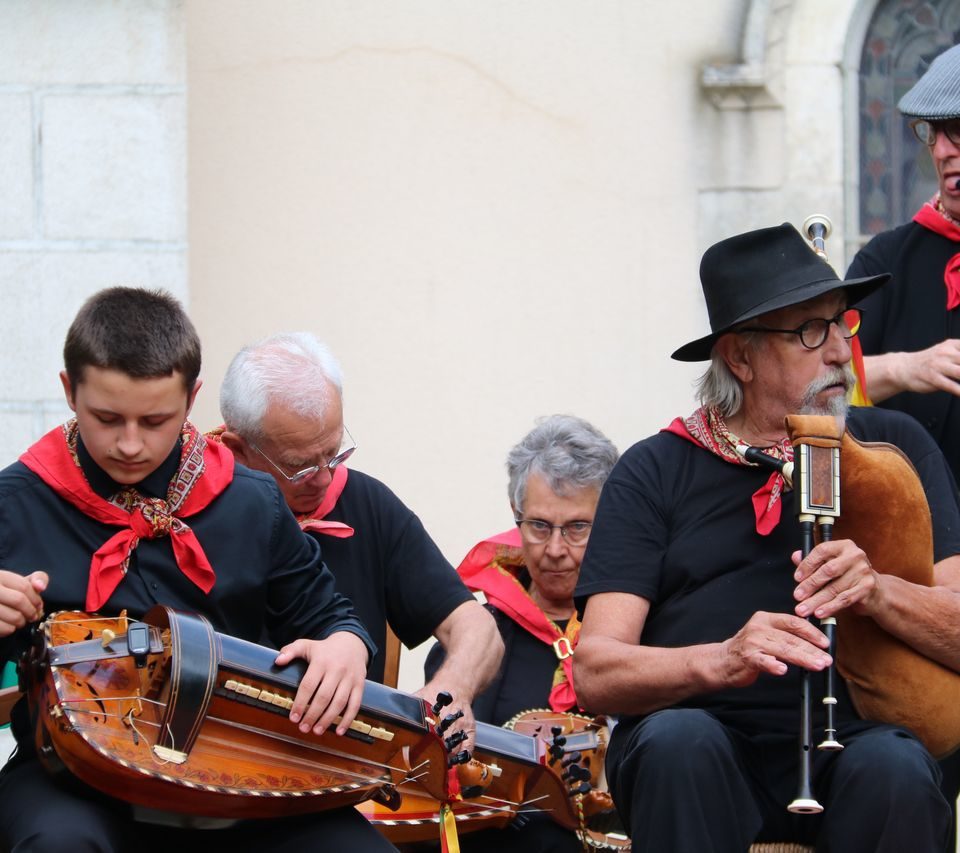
(537, 531)
(342, 456)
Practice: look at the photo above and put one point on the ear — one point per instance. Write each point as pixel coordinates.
(738, 353)
(193, 395)
(238, 447)
(68, 390)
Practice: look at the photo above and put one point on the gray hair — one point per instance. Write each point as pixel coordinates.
(292, 369)
(566, 451)
(717, 386)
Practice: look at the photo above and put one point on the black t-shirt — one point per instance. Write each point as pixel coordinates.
(908, 314)
(528, 668)
(675, 525)
(390, 568)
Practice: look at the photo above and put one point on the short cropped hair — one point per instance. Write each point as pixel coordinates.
(568, 452)
(292, 369)
(145, 334)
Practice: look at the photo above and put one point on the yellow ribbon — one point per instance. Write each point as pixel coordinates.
(449, 842)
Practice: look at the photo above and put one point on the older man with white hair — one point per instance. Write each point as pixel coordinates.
(282, 406)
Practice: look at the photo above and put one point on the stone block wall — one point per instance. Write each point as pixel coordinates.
(92, 180)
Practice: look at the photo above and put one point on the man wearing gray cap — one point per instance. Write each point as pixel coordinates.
(695, 597)
(911, 328)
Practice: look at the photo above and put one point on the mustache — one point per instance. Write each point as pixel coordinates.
(837, 376)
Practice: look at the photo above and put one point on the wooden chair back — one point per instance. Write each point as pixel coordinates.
(391, 666)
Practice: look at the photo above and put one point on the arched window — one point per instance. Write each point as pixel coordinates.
(896, 174)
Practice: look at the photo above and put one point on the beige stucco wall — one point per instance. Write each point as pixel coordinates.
(467, 201)
(491, 210)
(487, 210)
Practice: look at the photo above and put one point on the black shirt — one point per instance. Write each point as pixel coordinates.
(390, 568)
(675, 525)
(908, 314)
(269, 575)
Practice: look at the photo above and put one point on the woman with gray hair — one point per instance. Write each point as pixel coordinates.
(528, 575)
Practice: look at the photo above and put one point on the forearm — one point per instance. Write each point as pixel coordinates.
(936, 368)
(613, 677)
(926, 618)
(884, 374)
(473, 648)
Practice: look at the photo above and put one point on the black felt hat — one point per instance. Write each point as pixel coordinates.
(760, 271)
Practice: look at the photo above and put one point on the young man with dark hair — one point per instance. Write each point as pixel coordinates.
(128, 506)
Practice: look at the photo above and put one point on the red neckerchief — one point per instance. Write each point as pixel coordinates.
(706, 429)
(314, 520)
(204, 472)
(933, 217)
(491, 568)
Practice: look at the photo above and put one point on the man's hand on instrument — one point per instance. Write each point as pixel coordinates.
(20, 600)
(459, 708)
(768, 643)
(834, 576)
(332, 686)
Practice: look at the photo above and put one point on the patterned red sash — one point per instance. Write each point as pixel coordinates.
(933, 217)
(707, 429)
(491, 568)
(204, 472)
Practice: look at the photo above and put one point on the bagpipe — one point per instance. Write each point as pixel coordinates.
(885, 511)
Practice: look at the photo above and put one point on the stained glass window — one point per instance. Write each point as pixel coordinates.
(896, 174)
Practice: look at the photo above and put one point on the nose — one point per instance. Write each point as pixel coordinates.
(130, 441)
(837, 348)
(321, 478)
(943, 147)
(556, 546)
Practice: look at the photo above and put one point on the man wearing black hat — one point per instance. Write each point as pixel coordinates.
(911, 330)
(695, 622)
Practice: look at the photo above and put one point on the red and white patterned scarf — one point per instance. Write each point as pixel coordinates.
(205, 470)
(707, 429)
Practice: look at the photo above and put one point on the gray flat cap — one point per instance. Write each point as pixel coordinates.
(936, 95)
